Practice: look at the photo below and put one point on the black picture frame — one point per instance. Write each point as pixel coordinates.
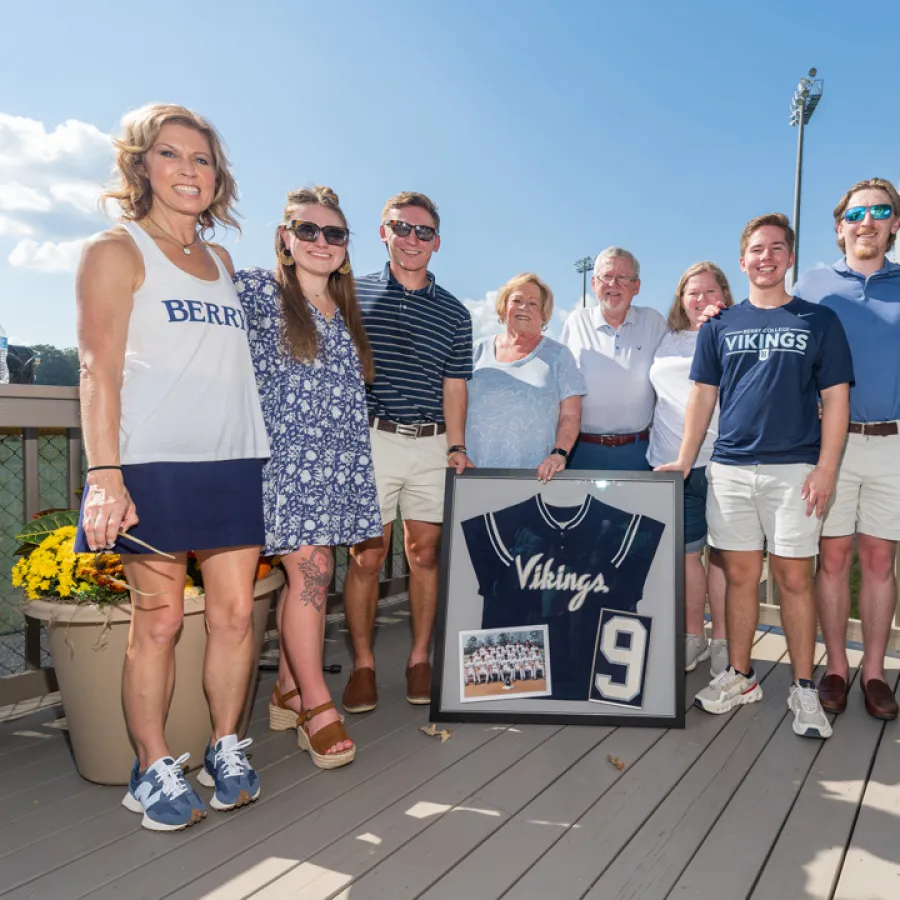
(668, 488)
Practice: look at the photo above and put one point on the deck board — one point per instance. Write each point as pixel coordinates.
(495, 811)
(871, 869)
(587, 850)
(809, 850)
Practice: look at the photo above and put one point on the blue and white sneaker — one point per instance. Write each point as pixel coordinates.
(225, 767)
(167, 801)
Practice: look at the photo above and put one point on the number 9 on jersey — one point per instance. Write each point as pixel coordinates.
(620, 658)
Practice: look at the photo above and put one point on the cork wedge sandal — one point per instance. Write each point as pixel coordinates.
(281, 716)
(318, 743)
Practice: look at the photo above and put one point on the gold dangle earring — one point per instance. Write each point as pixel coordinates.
(346, 268)
(284, 256)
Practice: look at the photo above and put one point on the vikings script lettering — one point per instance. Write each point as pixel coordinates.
(537, 576)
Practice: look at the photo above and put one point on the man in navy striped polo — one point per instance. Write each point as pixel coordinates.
(421, 338)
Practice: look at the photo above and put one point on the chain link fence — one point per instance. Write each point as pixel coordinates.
(52, 469)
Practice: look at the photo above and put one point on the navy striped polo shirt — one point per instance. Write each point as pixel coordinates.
(418, 339)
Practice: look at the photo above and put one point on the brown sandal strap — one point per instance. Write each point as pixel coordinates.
(312, 713)
(333, 733)
(280, 699)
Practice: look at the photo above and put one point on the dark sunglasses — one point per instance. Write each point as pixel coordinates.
(880, 211)
(309, 232)
(402, 229)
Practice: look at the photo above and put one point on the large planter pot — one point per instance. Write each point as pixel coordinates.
(88, 648)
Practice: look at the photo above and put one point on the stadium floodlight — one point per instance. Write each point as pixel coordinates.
(583, 266)
(803, 104)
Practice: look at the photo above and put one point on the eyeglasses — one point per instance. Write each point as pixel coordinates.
(620, 280)
(309, 232)
(402, 229)
(880, 211)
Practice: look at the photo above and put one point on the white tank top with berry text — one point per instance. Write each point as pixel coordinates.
(189, 392)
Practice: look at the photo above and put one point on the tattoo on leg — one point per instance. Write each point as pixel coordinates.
(315, 573)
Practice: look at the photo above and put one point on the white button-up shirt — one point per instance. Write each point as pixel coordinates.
(615, 363)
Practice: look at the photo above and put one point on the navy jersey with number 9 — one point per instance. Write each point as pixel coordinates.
(538, 564)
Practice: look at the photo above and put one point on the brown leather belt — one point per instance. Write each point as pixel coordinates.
(873, 429)
(615, 440)
(421, 429)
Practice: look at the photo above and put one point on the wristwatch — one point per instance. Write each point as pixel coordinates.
(559, 451)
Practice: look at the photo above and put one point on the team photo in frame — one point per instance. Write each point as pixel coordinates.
(562, 602)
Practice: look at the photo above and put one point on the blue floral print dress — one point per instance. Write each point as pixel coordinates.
(319, 484)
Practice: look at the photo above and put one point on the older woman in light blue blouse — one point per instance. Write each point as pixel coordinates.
(525, 393)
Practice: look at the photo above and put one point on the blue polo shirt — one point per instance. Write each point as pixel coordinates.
(769, 366)
(418, 339)
(869, 310)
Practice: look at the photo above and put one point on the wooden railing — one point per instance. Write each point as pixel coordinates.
(41, 466)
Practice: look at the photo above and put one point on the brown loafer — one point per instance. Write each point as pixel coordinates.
(418, 683)
(361, 693)
(833, 693)
(880, 702)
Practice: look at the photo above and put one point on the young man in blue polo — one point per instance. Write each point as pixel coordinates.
(768, 361)
(863, 289)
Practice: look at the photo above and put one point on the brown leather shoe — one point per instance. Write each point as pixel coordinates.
(361, 693)
(880, 702)
(418, 683)
(833, 693)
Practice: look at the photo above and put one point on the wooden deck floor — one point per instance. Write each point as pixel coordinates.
(731, 807)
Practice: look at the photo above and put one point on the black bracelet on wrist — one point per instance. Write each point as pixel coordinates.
(560, 452)
(456, 448)
(101, 468)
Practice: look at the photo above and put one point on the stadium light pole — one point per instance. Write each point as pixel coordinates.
(584, 265)
(803, 104)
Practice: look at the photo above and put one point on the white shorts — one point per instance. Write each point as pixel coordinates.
(867, 494)
(749, 507)
(410, 472)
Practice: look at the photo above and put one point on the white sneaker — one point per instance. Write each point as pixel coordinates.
(809, 717)
(718, 652)
(728, 690)
(696, 649)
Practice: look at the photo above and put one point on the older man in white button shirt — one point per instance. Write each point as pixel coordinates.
(614, 343)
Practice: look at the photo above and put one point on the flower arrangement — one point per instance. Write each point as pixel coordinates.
(52, 568)
(49, 567)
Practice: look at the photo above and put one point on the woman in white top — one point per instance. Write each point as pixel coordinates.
(700, 285)
(175, 442)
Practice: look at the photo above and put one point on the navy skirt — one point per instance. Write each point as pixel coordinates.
(191, 506)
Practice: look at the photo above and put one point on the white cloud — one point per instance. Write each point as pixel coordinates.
(48, 256)
(12, 228)
(484, 315)
(80, 194)
(52, 179)
(15, 197)
(26, 143)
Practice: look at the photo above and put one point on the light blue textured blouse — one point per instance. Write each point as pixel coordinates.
(514, 407)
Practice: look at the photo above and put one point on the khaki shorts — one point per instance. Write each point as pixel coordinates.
(410, 472)
(749, 507)
(867, 494)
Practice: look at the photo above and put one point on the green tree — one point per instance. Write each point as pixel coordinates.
(57, 366)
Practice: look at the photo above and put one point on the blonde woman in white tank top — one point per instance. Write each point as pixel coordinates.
(175, 444)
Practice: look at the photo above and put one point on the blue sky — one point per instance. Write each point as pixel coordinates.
(545, 132)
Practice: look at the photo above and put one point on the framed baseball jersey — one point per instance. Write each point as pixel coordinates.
(574, 587)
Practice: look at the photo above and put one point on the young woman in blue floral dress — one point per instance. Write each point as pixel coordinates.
(312, 359)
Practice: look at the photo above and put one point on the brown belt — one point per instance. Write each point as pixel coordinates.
(614, 440)
(875, 429)
(421, 429)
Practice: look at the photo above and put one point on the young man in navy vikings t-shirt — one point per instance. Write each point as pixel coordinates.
(768, 361)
